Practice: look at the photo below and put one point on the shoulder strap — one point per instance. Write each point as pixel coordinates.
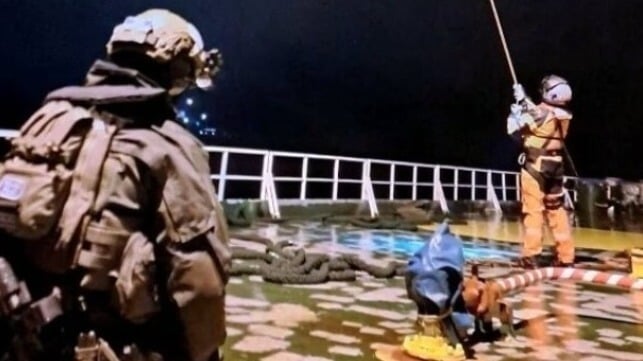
(50, 110)
(195, 154)
(47, 134)
(59, 130)
(189, 145)
(107, 94)
(558, 129)
(562, 113)
(52, 123)
(548, 139)
(87, 174)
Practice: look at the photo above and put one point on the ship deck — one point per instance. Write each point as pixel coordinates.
(367, 318)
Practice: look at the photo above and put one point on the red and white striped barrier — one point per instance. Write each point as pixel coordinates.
(532, 277)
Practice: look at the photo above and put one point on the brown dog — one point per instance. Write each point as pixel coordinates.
(483, 299)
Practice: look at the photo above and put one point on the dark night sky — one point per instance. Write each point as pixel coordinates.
(419, 80)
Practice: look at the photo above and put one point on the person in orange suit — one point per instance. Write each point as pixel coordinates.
(541, 129)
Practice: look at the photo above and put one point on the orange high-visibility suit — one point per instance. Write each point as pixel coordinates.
(542, 130)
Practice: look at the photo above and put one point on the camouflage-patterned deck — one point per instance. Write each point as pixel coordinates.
(348, 321)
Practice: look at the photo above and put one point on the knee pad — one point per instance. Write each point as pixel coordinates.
(553, 202)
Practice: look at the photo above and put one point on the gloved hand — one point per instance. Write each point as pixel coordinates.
(513, 125)
(516, 110)
(514, 120)
(519, 93)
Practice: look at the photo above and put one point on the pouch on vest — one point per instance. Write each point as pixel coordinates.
(31, 197)
(198, 288)
(192, 253)
(135, 286)
(36, 175)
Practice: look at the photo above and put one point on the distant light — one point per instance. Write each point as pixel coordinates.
(204, 116)
(189, 101)
(186, 120)
(198, 124)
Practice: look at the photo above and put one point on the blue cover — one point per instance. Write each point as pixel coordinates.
(427, 278)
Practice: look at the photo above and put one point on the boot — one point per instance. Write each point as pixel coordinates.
(529, 262)
(561, 264)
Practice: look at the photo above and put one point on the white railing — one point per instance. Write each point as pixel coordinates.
(395, 180)
(279, 177)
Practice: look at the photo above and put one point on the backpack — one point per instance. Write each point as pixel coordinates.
(51, 197)
(58, 153)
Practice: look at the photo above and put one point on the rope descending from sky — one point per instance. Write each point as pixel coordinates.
(504, 41)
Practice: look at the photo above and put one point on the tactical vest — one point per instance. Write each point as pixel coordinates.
(86, 193)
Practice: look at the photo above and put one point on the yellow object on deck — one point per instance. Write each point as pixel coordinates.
(637, 262)
(432, 348)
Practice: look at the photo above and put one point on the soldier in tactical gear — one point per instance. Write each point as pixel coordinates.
(541, 129)
(112, 217)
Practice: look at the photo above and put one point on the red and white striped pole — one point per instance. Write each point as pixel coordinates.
(532, 277)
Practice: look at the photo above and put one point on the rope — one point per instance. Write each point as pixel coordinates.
(532, 277)
(515, 78)
(278, 265)
(570, 160)
(504, 41)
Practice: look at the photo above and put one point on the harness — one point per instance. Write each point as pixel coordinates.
(530, 156)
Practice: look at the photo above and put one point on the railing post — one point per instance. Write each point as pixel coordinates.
(473, 185)
(304, 178)
(504, 186)
(414, 190)
(223, 171)
(335, 178)
(569, 201)
(576, 179)
(438, 192)
(268, 190)
(367, 189)
(365, 175)
(574, 195)
(391, 186)
(264, 177)
(491, 194)
(456, 176)
(436, 182)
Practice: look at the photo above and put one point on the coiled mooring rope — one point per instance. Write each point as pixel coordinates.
(278, 265)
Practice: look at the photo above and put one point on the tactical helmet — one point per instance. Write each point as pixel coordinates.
(168, 39)
(555, 90)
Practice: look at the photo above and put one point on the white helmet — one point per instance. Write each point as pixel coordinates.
(167, 38)
(555, 90)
